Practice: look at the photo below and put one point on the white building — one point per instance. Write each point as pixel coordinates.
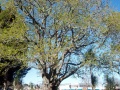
(78, 86)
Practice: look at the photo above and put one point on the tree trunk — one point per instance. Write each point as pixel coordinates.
(93, 88)
(48, 85)
(4, 86)
(7, 85)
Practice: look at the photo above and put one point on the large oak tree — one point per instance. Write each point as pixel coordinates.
(59, 29)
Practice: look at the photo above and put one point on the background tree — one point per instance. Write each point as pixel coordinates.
(13, 46)
(110, 83)
(32, 86)
(94, 81)
(59, 29)
(91, 65)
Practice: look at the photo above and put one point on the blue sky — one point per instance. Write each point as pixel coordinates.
(34, 75)
(115, 4)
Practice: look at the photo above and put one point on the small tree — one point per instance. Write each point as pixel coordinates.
(32, 86)
(94, 81)
(90, 65)
(111, 85)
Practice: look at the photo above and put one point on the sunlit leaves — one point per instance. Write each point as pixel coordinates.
(113, 21)
(90, 58)
(113, 29)
(12, 32)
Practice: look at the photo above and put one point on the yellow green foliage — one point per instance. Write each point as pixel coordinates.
(12, 32)
(111, 27)
(90, 58)
(114, 21)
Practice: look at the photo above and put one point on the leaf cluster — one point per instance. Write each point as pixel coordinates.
(12, 33)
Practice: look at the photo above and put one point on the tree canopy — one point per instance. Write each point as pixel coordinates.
(59, 30)
(13, 45)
